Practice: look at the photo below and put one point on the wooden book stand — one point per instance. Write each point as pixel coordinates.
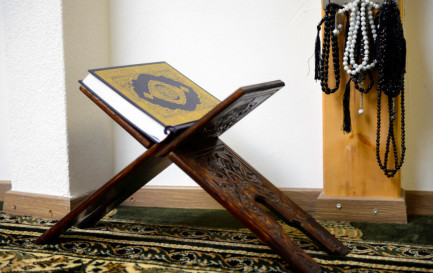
(216, 168)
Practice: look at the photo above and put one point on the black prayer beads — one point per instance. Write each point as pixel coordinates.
(329, 38)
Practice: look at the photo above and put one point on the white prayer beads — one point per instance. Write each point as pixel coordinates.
(361, 19)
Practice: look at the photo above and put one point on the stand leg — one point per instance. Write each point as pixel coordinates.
(109, 196)
(294, 216)
(239, 188)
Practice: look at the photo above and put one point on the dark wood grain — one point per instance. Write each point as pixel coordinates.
(240, 188)
(224, 115)
(110, 195)
(219, 170)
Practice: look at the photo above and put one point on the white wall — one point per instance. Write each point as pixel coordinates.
(222, 45)
(4, 107)
(35, 73)
(60, 143)
(90, 130)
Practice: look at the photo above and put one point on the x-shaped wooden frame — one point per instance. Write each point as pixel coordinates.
(228, 178)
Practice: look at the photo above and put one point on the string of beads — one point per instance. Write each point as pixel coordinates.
(391, 59)
(366, 48)
(361, 19)
(328, 39)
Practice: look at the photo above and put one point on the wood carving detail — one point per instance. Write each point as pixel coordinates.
(238, 186)
(227, 119)
(227, 168)
(219, 170)
(230, 173)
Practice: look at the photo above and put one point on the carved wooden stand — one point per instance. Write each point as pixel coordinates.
(221, 172)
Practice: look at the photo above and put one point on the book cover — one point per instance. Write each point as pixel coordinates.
(160, 91)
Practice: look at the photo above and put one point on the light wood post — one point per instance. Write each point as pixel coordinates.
(354, 186)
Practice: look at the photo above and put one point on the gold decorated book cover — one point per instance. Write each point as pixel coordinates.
(160, 90)
(155, 98)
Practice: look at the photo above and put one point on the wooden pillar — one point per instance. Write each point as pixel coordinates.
(354, 186)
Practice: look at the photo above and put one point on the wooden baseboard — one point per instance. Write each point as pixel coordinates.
(38, 205)
(52, 207)
(195, 197)
(361, 209)
(5, 185)
(419, 202)
(172, 197)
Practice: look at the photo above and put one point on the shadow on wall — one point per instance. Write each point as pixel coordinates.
(419, 94)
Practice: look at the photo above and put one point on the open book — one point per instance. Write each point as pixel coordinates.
(155, 98)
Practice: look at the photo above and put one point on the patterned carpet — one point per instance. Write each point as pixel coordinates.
(121, 243)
